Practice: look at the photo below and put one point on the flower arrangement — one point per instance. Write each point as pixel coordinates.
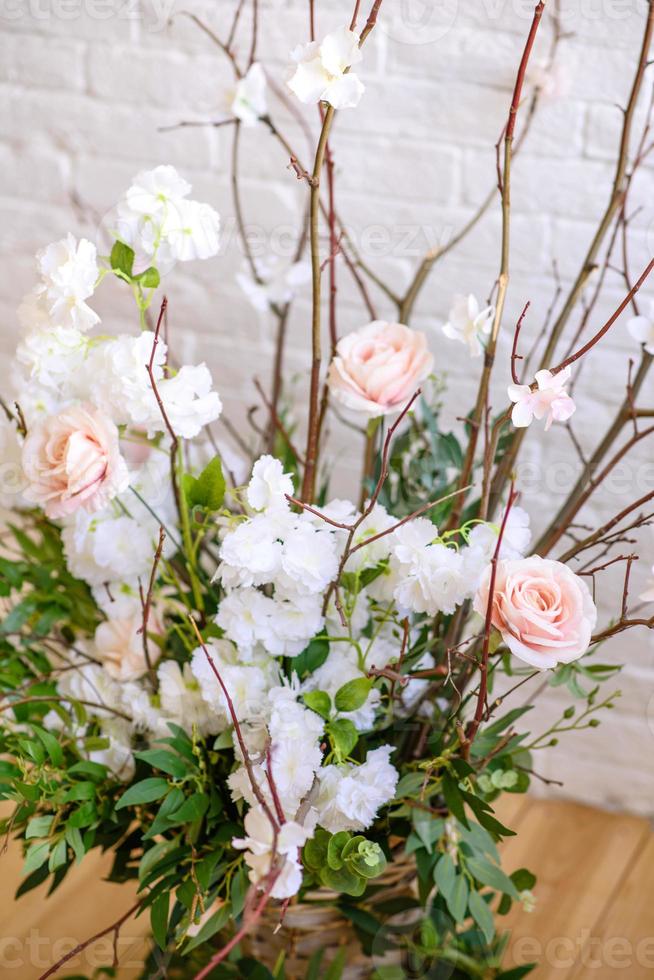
(257, 696)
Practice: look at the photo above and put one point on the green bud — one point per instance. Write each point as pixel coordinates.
(594, 723)
(569, 712)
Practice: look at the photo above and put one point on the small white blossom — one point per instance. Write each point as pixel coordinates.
(162, 226)
(350, 797)
(260, 848)
(641, 328)
(102, 548)
(249, 103)
(321, 73)
(277, 282)
(469, 324)
(269, 485)
(182, 701)
(53, 357)
(549, 399)
(69, 270)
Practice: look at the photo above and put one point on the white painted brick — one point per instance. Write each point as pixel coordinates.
(42, 62)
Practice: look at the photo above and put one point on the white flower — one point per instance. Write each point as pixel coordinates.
(549, 399)
(321, 70)
(259, 851)
(309, 559)
(515, 538)
(91, 683)
(69, 271)
(350, 797)
(469, 324)
(102, 548)
(378, 521)
(251, 554)
(293, 767)
(182, 701)
(123, 389)
(249, 102)
(151, 190)
(289, 719)
(243, 614)
(189, 401)
(431, 578)
(159, 222)
(53, 357)
(549, 79)
(277, 282)
(292, 623)
(118, 756)
(641, 328)
(119, 646)
(269, 485)
(246, 684)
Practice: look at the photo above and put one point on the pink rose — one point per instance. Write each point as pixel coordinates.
(544, 611)
(72, 460)
(119, 646)
(376, 369)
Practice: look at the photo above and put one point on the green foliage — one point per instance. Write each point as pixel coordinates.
(206, 491)
(343, 862)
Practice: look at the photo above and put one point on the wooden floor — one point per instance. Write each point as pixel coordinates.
(594, 916)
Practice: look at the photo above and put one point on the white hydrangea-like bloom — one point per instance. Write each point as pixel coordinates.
(350, 797)
(269, 485)
(515, 539)
(251, 554)
(92, 683)
(282, 626)
(431, 577)
(249, 103)
(182, 701)
(278, 281)
(259, 851)
(469, 324)
(309, 559)
(247, 684)
(118, 756)
(162, 225)
(53, 357)
(101, 548)
(321, 70)
(123, 387)
(69, 272)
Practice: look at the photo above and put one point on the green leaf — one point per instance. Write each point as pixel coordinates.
(491, 875)
(194, 808)
(336, 967)
(150, 278)
(311, 658)
(145, 791)
(159, 919)
(428, 827)
(318, 701)
(315, 850)
(208, 489)
(344, 736)
(213, 925)
(482, 915)
(165, 761)
(122, 258)
(334, 848)
(457, 903)
(58, 855)
(238, 892)
(445, 876)
(343, 880)
(94, 770)
(74, 838)
(38, 827)
(37, 855)
(351, 696)
(453, 798)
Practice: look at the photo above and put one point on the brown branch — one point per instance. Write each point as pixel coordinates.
(146, 602)
(113, 928)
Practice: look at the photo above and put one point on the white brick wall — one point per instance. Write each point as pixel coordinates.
(86, 84)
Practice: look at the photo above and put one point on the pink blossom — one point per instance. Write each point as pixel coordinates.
(378, 367)
(549, 399)
(543, 611)
(72, 460)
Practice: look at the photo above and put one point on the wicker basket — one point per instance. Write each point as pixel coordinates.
(316, 923)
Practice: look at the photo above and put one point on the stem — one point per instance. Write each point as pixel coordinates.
(311, 456)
